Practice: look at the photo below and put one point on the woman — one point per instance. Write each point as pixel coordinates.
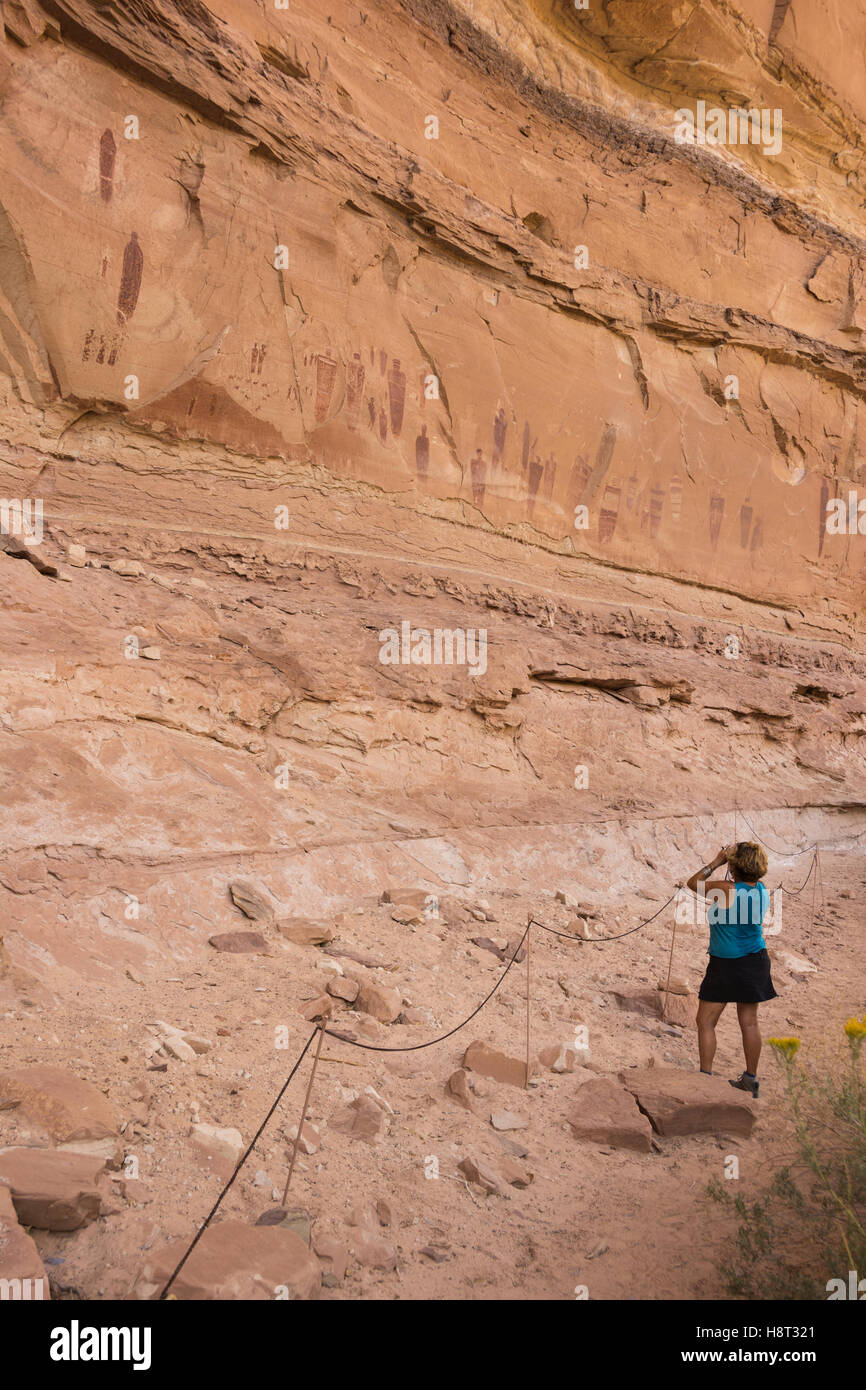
(739, 968)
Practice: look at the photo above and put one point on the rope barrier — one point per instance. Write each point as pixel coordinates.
(417, 1047)
(784, 854)
(432, 1042)
(212, 1213)
(569, 936)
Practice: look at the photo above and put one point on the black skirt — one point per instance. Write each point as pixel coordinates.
(738, 980)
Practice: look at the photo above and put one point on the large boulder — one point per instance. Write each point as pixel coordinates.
(51, 1190)
(22, 1274)
(606, 1113)
(235, 1261)
(74, 1113)
(687, 1102)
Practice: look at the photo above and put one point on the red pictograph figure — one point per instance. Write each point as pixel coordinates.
(717, 511)
(745, 524)
(422, 453)
(500, 429)
(396, 395)
(130, 279)
(326, 375)
(107, 156)
(609, 512)
(656, 508)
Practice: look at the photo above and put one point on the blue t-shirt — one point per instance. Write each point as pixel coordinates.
(736, 930)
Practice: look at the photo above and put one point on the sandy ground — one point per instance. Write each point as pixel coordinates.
(624, 1225)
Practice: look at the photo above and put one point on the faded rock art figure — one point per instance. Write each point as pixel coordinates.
(500, 428)
(396, 395)
(609, 511)
(536, 473)
(822, 515)
(631, 491)
(422, 453)
(656, 507)
(675, 496)
(549, 479)
(478, 471)
(355, 374)
(757, 536)
(717, 511)
(130, 279)
(326, 375)
(107, 156)
(383, 425)
(745, 524)
(577, 479)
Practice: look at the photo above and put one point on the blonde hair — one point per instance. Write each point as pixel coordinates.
(749, 860)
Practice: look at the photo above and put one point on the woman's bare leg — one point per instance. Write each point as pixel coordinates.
(709, 1014)
(748, 1017)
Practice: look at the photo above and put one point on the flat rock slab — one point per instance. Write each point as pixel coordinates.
(239, 943)
(71, 1110)
(19, 1258)
(480, 1057)
(605, 1112)
(685, 1102)
(51, 1190)
(305, 932)
(235, 1261)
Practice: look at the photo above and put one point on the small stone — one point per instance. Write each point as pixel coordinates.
(380, 1001)
(344, 988)
(295, 1219)
(457, 1088)
(558, 1058)
(239, 942)
(320, 1007)
(507, 1120)
(218, 1142)
(151, 653)
(310, 1138)
(302, 931)
(362, 1119)
(481, 1057)
(337, 1254)
(374, 1252)
(77, 556)
(253, 902)
(127, 569)
(479, 1171)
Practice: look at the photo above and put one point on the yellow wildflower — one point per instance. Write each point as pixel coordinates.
(856, 1028)
(788, 1047)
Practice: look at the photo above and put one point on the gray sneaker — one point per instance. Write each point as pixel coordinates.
(743, 1083)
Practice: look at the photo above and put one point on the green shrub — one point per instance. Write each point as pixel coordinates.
(809, 1226)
